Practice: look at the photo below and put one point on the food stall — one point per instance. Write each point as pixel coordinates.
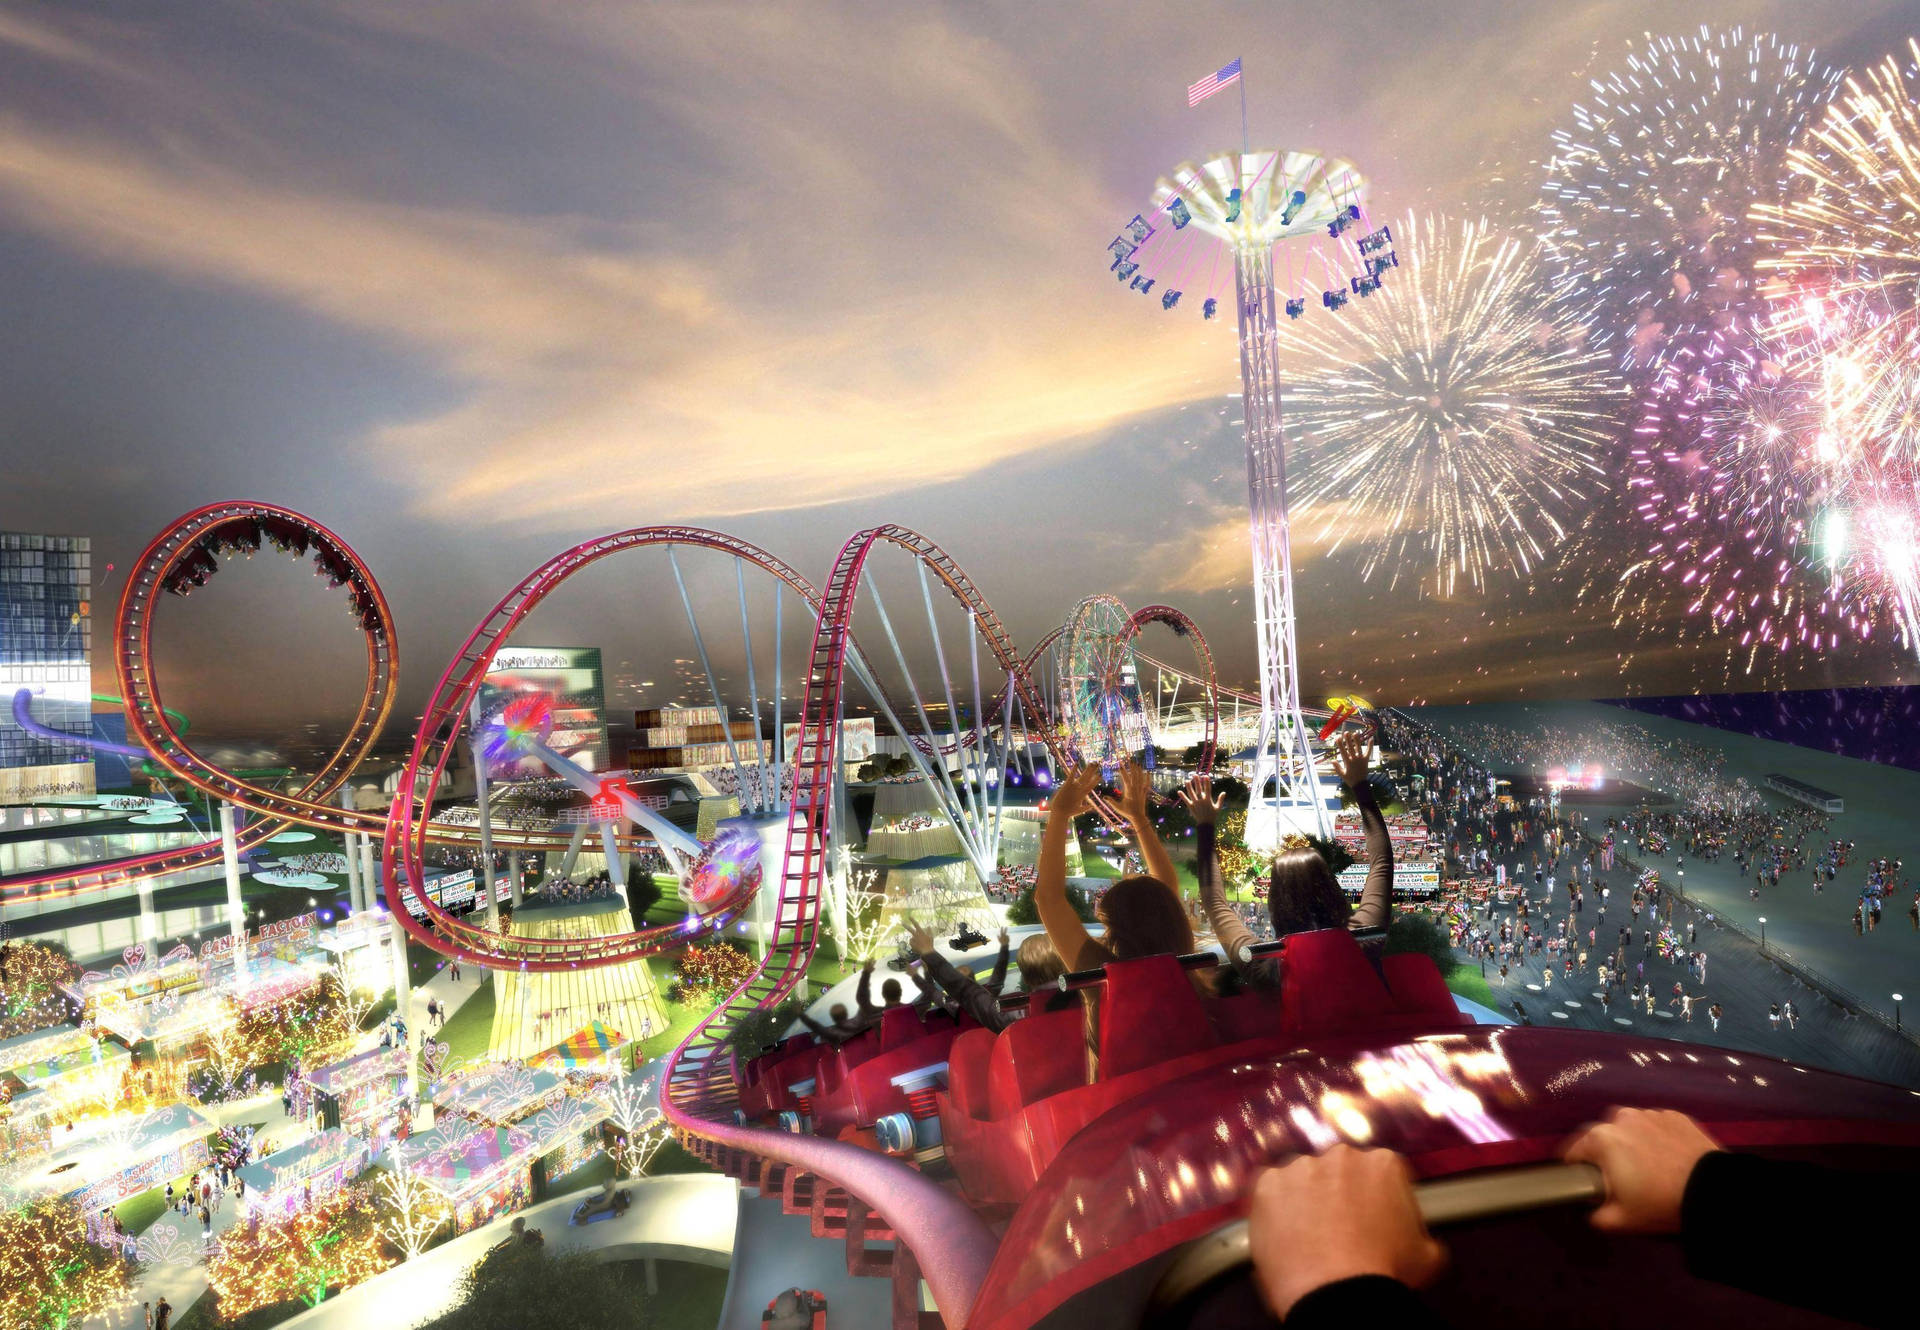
(294, 1177)
(500, 1095)
(481, 1174)
(364, 1092)
(107, 1167)
(78, 1081)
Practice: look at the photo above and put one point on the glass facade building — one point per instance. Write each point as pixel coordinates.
(46, 644)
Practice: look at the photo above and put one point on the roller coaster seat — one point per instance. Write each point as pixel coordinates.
(967, 1062)
(1419, 989)
(1149, 1007)
(898, 1026)
(1328, 986)
(1034, 1058)
(769, 1094)
(861, 1095)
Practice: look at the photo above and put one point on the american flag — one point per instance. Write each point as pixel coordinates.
(1212, 83)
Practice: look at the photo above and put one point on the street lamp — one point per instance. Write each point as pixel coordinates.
(1896, 1011)
(1763, 932)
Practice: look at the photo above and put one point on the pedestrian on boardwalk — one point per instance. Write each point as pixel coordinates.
(1773, 1016)
(1713, 1014)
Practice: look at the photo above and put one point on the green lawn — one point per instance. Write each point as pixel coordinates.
(1467, 981)
(468, 1032)
(138, 1213)
(690, 1296)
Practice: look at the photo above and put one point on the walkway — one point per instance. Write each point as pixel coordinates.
(691, 1217)
(1815, 930)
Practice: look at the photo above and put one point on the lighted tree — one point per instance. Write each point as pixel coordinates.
(233, 1046)
(356, 1000)
(411, 1212)
(31, 976)
(709, 972)
(51, 1276)
(640, 1129)
(327, 1246)
(859, 941)
(310, 1022)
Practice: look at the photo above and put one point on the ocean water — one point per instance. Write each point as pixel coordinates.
(1872, 724)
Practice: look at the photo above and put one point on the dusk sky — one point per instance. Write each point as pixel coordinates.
(470, 282)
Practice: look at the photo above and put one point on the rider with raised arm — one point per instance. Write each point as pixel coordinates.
(1302, 893)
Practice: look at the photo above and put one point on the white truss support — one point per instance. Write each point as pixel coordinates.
(1283, 751)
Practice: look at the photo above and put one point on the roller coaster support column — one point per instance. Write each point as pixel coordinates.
(513, 876)
(236, 912)
(580, 831)
(616, 860)
(483, 873)
(149, 925)
(356, 896)
(403, 1000)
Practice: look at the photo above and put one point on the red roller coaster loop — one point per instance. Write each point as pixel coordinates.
(402, 854)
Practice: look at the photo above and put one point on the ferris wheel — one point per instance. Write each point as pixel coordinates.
(1101, 710)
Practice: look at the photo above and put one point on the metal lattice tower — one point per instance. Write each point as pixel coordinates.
(1283, 749)
(1255, 201)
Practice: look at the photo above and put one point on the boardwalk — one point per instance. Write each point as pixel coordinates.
(1743, 981)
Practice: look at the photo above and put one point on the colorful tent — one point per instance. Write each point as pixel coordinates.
(586, 1049)
(472, 1161)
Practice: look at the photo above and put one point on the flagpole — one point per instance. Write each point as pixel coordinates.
(1242, 80)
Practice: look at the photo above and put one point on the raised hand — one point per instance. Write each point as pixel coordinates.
(1201, 803)
(920, 939)
(1352, 755)
(1135, 787)
(1072, 795)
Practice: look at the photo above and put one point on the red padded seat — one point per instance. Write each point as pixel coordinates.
(1034, 1058)
(1149, 1013)
(1327, 985)
(967, 1071)
(1420, 990)
(1251, 1015)
(899, 1026)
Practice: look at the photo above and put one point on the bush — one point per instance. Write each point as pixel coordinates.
(763, 1026)
(1421, 934)
(1339, 858)
(645, 894)
(708, 973)
(517, 1286)
(1024, 911)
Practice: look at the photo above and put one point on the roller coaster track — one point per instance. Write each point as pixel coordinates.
(183, 546)
(406, 831)
(953, 1246)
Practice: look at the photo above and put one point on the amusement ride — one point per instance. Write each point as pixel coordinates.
(991, 1166)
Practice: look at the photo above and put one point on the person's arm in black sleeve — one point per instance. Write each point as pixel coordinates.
(826, 1034)
(1365, 1300)
(1376, 897)
(1727, 1227)
(982, 1004)
(998, 979)
(863, 992)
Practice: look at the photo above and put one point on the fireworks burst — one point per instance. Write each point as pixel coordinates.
(1454, 418)
(1847, 251)
(1846, 302)
(1645, 208)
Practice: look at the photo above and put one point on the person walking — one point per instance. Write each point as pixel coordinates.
(1713, 1014)
(162, 1315)
(1773, 1016)
(1789, 1014)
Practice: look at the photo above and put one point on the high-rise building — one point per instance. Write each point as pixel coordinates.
(46, 644)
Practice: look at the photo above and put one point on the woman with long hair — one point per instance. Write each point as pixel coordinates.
(1302, 893)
